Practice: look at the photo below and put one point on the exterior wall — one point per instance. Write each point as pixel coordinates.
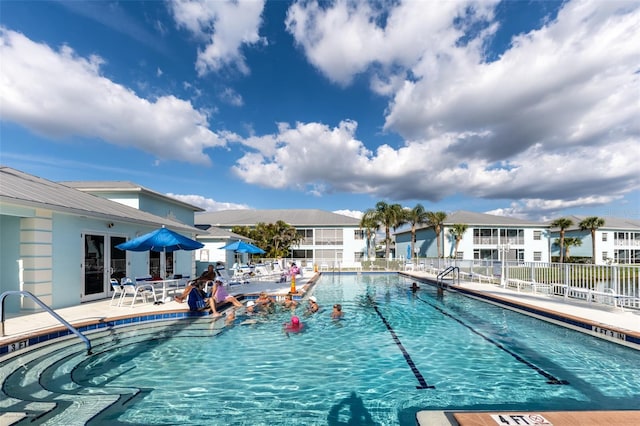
(427, 245)
(130, 200)
(165, 208)
(9, 260)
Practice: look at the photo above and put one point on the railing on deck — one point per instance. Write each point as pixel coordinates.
(617, 285)
(46, 308)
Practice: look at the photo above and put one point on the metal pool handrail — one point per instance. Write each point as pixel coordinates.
(447, 271)
(46, 308)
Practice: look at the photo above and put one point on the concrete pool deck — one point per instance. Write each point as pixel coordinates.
(627, 321)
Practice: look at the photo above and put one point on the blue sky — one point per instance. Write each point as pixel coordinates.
(521, 108)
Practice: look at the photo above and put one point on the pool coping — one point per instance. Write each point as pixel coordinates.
(601, 330)
(24, 342)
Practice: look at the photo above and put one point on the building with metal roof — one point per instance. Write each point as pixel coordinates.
(487, 237)
(327, 238)
(617, 241)
(59, 243)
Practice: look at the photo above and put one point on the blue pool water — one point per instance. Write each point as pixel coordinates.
(392, 355)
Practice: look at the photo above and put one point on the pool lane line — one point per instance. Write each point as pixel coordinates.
(407, 357)
(552, 380)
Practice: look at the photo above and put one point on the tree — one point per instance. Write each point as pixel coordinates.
(568, 243)
(416, 216)
(457, 231)
(562, 223)
(276, 239)
(592, 223)
(370, 225)
(436, 220)
(387, 216)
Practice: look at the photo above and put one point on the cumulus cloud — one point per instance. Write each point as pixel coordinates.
(225, 27)
(346, 38)
(207, 204)
(60, 94)
(554, 119)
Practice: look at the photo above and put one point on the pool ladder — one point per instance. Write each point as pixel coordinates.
(47, 309)
(449, 270)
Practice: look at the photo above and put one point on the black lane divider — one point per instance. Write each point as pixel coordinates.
(407, 357)
(550, 378)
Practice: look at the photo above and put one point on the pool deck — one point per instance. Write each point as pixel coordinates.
(623, 321)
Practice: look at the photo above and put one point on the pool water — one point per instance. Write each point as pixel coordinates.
(393, 354)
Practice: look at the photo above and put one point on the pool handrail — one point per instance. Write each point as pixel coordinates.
(47, 309)
(447, 271)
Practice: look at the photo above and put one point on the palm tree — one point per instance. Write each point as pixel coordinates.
(568, 243)
(592, 223)
(370, 225)
(457, 231)
(562, 223)
(436, 220)
(416, 216)
(389, 216)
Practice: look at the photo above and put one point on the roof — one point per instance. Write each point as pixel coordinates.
(295, 218)
(98, 186)
(23, 189)
(610, 223)
(221, 234)
(473, 219)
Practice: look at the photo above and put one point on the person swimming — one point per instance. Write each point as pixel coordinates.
(294, 326)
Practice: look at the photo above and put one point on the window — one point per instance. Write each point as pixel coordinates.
(537, 235)
(537, 256)
(359, 234)
(460, 255)
(306, 236)
(604, 236)
(204, 255)
(328, 256)
(605, 255)
(329, 237)
(358, 256)
(302, 254)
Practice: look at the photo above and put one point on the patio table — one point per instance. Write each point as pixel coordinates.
(168, 284)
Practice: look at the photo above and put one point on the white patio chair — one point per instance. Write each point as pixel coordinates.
(117, 291)
(136, 290)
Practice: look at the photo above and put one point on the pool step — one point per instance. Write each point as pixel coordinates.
(40, 383)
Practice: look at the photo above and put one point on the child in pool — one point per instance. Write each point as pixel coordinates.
(294, 326)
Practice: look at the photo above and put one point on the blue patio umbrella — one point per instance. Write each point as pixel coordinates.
(243, 247)
(161, 240)
(409, 252)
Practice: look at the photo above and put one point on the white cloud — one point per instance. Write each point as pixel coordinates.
(226, 27)
(207, 204)
(60, 94)
(348, 38)
(231, 97)
(554, 118)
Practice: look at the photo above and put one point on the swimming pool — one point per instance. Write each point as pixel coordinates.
(394, 354)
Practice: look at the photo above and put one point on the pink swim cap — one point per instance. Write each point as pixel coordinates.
(295, 320)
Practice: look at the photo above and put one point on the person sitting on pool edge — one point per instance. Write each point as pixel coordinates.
(208, 275)
(197, 299)
(219, 294)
